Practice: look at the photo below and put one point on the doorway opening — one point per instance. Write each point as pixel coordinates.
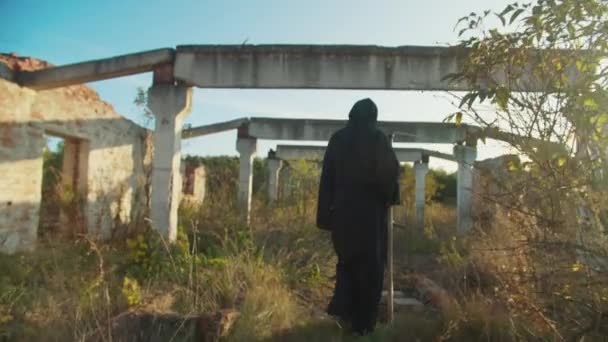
(64, 165)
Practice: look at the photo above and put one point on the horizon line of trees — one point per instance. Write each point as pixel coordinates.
(222, 170)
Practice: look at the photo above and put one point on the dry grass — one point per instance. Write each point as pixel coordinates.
(277, 274)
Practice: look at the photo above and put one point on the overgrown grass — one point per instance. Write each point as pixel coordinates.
(277, 273)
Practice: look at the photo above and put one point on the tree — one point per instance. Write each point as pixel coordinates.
(141, 102)
(558, 48)
(555, 46)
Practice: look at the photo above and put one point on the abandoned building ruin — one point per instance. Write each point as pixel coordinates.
(122, 173)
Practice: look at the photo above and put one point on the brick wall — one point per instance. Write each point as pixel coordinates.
(115, 157)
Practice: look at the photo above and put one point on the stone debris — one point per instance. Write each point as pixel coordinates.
(408, 302)
(424, 292)
(431, 293)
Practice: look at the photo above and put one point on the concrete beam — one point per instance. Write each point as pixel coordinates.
(546, 148)
(214, 128)
(96, 70)
(246, 146)
(408, 132)
(408, 154)
(319, 66)
(274, 168)
(322, 130)
(293, 152)
(440, 155)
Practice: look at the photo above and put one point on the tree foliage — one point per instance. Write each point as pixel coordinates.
(541, 76)
(223, 171)
(555, 47)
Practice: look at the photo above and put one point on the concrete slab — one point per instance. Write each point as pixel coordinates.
(321, 130)
(334, 67)
(282, 66)
(95, 70)
(440, 155)
(319, 66)
(407, 302)
(408, 154)
(214, 128)
(293, 152)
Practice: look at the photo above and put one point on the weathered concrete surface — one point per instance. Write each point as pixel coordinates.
(294, 152)
(464, 192)
(247, 149)
(440, 155)
(404, 132)
(321, 130)
(274, 168)
(318, 66)
(284, 66)
(111, 180)
(21, 180)
(95, 70)
(404, 154)
(408, 155)
(170, 104)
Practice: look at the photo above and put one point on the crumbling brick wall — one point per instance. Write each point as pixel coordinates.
(114, 176)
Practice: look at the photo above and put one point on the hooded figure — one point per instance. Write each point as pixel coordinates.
(359, 182)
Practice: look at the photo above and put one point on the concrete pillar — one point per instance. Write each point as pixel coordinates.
(274, 166)
(169, 104)
(465, 156)
(285, 183)
(421, 168)
(246, 146)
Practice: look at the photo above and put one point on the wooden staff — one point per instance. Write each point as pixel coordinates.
(390, 299)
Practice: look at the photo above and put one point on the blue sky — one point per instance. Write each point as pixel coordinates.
(66, 31)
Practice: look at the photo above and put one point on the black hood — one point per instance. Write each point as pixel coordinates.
(363, 113)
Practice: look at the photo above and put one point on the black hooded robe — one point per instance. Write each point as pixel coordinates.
(358, 183)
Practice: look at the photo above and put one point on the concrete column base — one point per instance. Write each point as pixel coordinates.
(170, 104)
